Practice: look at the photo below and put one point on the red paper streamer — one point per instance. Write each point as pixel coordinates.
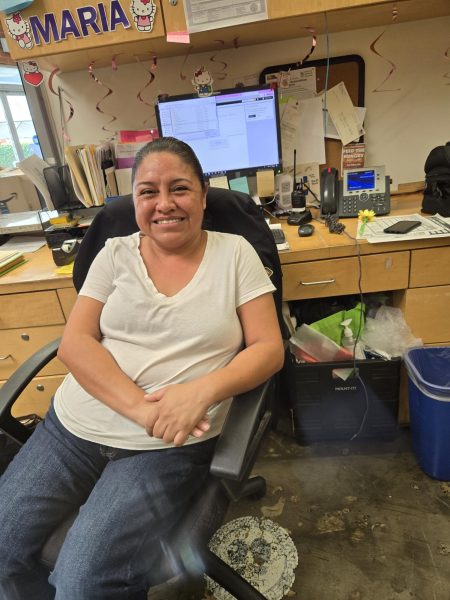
(114, 66)
(149, 82)
(392, 64)
(311, 50)
(222, 73)
(64, 121)
(182, 76)
(108, 93)
(447, 57)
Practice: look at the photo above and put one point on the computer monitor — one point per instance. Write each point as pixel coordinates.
(233, 132)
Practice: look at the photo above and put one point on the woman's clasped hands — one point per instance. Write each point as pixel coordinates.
(178, 411)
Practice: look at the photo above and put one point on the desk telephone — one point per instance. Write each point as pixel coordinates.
(359, 189)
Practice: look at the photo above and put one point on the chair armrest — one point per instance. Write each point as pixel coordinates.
(15, 386)
(247, 421)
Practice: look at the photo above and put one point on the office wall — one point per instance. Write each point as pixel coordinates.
(402, 126)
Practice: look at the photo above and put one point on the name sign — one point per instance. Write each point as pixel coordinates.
(80, 22)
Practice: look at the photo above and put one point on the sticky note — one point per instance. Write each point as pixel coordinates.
(265, 183)
(240, 184)
(65, 269)
(178, 37)
(219, 182)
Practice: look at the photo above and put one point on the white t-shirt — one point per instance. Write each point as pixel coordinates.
(159, 340)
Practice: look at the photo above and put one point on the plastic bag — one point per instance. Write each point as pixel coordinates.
(388, 333)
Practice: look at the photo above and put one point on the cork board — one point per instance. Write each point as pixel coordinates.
(350, 69)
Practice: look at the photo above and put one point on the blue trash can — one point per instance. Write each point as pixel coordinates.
(429, 405)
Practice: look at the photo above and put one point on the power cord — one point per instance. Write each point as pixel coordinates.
(358, 337)
(333, 224)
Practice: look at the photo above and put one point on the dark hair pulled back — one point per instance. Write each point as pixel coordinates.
(174, 146)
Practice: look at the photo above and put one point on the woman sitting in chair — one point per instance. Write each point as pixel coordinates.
(170, 323)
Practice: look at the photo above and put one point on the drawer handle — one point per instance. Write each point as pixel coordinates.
(6, 357)
(40, 387)
(318, 282)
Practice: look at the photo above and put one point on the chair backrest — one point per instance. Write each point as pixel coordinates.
(226, 211)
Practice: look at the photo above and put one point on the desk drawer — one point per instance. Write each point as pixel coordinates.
(30, 309)
(430, 267)
(18, 344)
(67, 298)
(339, 277)
(426, 312)
(36, 396)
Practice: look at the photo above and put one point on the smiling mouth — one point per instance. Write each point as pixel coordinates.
(168, 221)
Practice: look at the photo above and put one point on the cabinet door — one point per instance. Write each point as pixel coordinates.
(279, 9)
(426, 310)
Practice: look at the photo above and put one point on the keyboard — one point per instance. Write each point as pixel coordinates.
(278, 236)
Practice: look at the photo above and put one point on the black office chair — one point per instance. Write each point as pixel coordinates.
(248, 419)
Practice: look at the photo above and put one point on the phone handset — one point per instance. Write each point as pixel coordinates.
(329, 191)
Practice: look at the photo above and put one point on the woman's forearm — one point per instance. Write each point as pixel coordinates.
(248, 369)
(98, 373)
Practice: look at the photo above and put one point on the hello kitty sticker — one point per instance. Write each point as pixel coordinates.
(202, 82)
(143, 13)
(31, 73)
(19, 30)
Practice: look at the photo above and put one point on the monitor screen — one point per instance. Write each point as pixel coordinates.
(232, 132)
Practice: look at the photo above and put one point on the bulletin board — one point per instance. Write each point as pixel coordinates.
(350, 69)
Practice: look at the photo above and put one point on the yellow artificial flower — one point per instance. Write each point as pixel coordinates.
(365, 216)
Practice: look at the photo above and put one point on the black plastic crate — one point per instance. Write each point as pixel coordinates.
(328, 408)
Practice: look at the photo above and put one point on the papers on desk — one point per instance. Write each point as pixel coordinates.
(431, 227)
(33, 167)
(20, 222)
(23, 243)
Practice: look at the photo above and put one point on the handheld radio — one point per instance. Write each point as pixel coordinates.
(298, 199)
(299, 214)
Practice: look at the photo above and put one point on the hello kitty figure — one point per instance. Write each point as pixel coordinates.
(143, 12)
(202, 82)
(19, 30)
(31, 72)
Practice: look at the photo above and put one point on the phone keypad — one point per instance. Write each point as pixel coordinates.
(351, 205)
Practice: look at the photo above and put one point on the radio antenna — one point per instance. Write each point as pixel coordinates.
(294, 186)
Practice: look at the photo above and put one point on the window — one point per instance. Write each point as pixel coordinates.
(18, 138)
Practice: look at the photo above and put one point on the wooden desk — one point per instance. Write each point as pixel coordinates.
(35, 302)
(416, 271)
(34, 306)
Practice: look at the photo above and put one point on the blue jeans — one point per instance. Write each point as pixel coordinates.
(129, 501)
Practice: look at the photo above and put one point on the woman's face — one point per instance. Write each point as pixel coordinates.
(169, 200)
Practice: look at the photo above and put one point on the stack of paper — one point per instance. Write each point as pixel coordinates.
(10, 259)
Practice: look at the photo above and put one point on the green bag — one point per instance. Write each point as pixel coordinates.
(331, 325)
